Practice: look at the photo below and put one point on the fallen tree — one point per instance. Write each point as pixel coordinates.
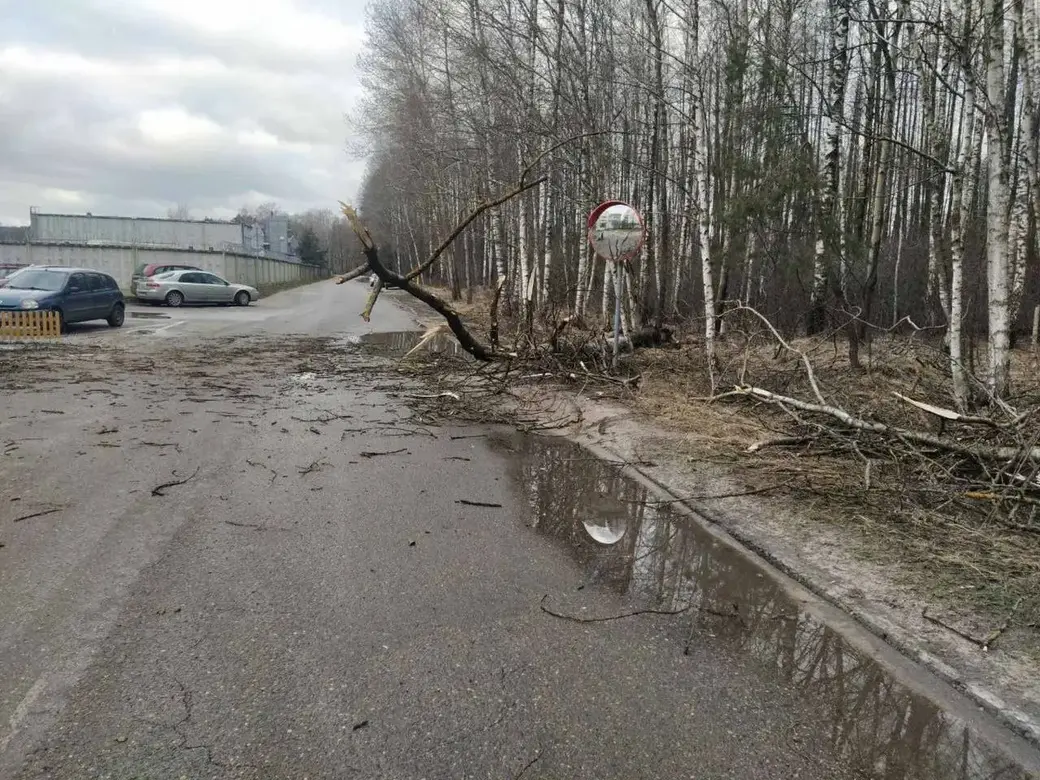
(409, 282)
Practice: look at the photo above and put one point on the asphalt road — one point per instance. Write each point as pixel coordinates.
(335, 590)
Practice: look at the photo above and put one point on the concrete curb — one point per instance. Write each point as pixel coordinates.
(892, 635)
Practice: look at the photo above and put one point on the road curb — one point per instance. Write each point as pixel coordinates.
(889, 635)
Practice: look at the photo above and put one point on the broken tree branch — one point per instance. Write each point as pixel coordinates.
(810, 374)
(373, 295)
(945, 414)
(608, 618)
(388, 278)
(779, 441)
(354, 274)
(977, 452)
(465, 338)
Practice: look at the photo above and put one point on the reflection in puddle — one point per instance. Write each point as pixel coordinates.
(656, 556)
(606, 532)
(399, 342)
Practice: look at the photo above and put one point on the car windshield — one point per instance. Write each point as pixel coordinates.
(50, 281)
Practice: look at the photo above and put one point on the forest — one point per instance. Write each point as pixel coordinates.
(845, 166)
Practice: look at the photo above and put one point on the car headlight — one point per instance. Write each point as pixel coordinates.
(30, 303)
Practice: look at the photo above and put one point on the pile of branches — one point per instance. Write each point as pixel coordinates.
(987, 462)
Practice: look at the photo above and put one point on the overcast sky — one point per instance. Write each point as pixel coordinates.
(131, 106)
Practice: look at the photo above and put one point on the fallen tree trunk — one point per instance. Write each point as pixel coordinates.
(977, 452)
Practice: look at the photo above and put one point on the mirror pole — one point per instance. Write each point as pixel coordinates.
(617, 313)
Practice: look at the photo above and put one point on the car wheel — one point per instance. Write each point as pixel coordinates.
(242, 298)
(118, 316)
(174, 298)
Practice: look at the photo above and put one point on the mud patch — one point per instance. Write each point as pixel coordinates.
(627, 540)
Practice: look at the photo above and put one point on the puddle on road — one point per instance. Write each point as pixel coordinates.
(657, 557)
(399, 342)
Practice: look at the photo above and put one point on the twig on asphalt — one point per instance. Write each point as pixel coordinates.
(161, 444)
(529, 764)
(377, 454)
(576, 619)
(244, 525)
(274, 474)
(325, 418)
(158, 489)
(315, 466)
(488, 504)
(36, 514)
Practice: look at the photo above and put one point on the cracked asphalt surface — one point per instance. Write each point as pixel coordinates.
(312, 600)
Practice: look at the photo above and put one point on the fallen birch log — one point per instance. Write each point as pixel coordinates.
(978, 452)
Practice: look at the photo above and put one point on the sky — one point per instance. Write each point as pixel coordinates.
(131, 107)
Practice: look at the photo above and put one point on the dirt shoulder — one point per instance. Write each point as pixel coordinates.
(950, 586)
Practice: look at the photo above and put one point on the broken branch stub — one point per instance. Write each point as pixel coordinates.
(354, 274)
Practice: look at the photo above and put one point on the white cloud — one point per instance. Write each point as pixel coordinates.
(67, 197)
(116, 107)
(176, 127)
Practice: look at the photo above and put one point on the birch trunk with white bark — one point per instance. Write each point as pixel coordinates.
(998, 298)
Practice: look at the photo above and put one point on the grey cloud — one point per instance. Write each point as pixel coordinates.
(68, 132)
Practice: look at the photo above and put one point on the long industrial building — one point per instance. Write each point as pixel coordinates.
(250, 254)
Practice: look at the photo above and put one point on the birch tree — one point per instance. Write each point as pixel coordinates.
(834, 163)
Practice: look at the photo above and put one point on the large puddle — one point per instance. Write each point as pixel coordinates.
(657, 557)
(398, 343)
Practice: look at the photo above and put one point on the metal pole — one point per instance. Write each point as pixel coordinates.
(617, 313)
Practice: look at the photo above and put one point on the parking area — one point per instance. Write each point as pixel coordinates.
(308, 309)
(316, 308)
(150, 320)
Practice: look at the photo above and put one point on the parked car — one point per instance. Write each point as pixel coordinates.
(77, 294)
(148, 270)
(177, 287)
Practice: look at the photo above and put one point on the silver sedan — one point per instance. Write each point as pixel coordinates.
(177, 287)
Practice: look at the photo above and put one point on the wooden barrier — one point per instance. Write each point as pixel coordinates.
(34, 325)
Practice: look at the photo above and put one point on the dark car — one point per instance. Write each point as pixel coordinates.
(77, 294)
(146, 271)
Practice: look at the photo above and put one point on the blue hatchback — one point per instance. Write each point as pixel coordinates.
(77, 294)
